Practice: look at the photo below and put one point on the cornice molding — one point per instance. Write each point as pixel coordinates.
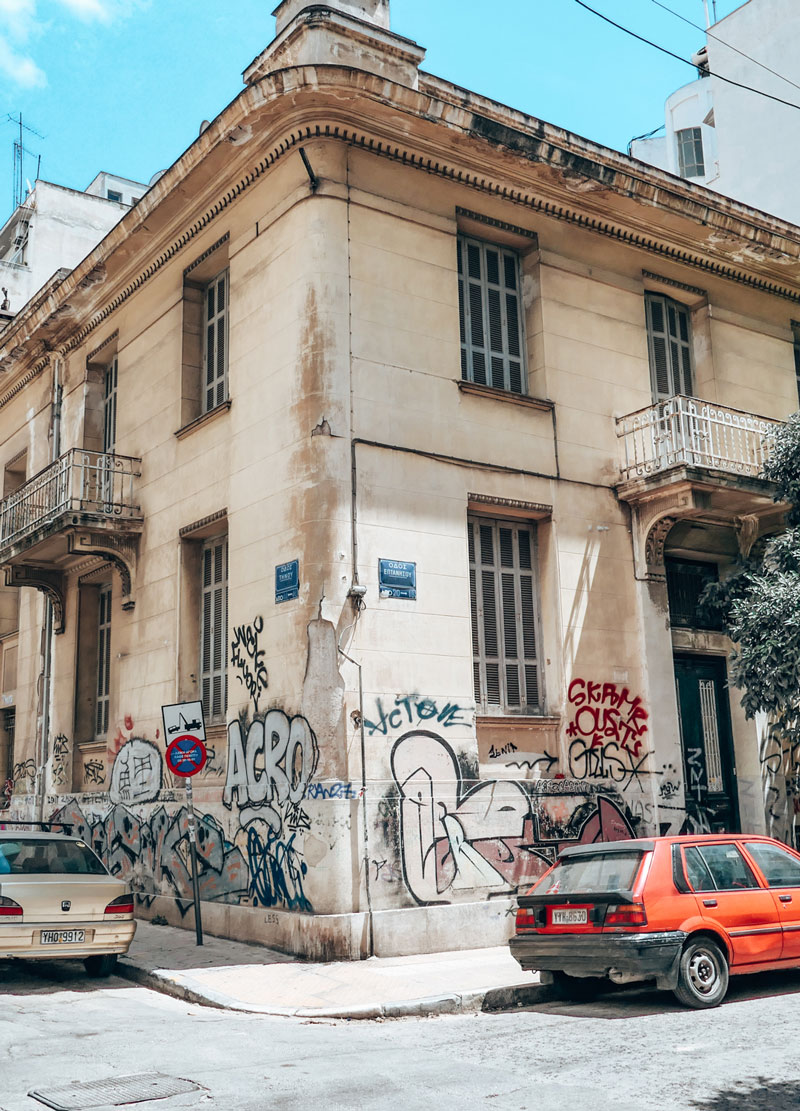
(540, 198)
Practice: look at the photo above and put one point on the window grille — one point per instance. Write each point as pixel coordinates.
(490, 309)
(103, 698)
(690, 152)
(504, 612)
(214, 629)
(215, 356)
(669, 337)
(686, 581)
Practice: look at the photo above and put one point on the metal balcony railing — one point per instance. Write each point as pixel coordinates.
(79, 482)
(689, 432)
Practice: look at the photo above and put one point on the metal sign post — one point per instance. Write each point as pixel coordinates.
(186, 756)
(198, 923)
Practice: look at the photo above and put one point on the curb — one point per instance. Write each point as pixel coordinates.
(487, 1000)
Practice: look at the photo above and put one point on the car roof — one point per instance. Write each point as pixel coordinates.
(647, 844)
(34, 835)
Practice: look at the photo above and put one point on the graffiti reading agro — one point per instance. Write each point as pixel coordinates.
(269, 771)
(247, 659)
(456, 839)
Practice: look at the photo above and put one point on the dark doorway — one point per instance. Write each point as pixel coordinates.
(705, 724)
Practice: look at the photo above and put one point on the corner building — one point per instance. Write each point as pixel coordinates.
(403, 430)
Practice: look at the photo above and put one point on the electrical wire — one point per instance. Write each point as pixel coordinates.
(677, 57)
(716, 38)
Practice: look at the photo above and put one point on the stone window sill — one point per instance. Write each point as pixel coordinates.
(541, 404)
(204, 418)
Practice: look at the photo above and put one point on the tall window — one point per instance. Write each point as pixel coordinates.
(690, 152)
(214, 629)
(215, 356)
(796, 331)
(504, 603)
(492, 343)
(669, 338)
(110, 407)
(103, 661)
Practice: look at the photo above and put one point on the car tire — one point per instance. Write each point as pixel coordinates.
(100, 965)
(577, 989)
(702, 974)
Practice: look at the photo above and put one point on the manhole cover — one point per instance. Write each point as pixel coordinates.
(115, 1091)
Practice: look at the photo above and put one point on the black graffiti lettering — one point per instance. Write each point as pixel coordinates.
(247, 659)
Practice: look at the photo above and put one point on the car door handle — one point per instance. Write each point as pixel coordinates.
(709, 902)
(785, 898)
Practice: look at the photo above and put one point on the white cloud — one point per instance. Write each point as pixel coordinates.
(89, 9)
(17, 17)
(19, 68)
(21, 20)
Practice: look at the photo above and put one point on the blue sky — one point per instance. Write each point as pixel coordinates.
(123, 85)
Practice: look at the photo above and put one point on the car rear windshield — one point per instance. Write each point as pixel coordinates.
(586, 875)
(31, 856)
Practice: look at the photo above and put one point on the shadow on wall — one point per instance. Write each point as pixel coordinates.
(756, 1095)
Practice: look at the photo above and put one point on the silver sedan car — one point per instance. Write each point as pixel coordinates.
(57, 899)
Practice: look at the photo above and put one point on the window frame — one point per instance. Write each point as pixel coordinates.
(214, 381)
(690, 139)
(102, 703)
(213, 633)
(511, 337)
(680, 378)
(110, 383)
(686, 849)
(526, 625)
(752, 846)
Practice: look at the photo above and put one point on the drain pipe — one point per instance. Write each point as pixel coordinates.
(365, 822)
(47, 647)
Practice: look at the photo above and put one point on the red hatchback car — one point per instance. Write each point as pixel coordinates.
(684, 911)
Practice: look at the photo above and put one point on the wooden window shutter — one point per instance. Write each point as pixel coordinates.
(669, 339)
(490, 317)
(504, 618)
(214, 629)
(215, 356)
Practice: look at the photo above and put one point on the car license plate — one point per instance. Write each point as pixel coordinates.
(564, 917)
(62, 937)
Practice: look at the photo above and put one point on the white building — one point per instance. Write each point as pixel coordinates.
(729, 138)
(53, 229)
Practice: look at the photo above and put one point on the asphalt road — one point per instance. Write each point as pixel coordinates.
(631, 1051)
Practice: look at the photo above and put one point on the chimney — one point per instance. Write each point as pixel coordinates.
(352, 34)
(370, 11)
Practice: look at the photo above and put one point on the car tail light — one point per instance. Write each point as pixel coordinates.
(122, 905)
(526, 920)
(9, 909)
(626, 914)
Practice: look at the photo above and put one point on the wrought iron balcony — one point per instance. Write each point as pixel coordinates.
(687, 432)
(79, 483)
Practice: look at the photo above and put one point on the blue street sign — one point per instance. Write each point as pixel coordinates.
(287, 581)
(397, 579)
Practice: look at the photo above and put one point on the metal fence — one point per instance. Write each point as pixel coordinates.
(686, 431)
(79, 482)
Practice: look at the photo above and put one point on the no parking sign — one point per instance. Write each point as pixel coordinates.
(186, 756)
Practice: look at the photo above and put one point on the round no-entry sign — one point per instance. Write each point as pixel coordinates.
(186, 756)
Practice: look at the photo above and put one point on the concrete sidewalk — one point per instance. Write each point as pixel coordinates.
(241, 977)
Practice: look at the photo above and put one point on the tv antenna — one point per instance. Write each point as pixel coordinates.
(19, 156)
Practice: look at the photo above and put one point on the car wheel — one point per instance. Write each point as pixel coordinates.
(702, 974)
(100, 965)
(578, 989)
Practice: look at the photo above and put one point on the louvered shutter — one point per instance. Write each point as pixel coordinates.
(669, 338)
(503, 601)
(214, 629)
(215, 386)
(103, 692)
(110, 407)
(490, 318)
